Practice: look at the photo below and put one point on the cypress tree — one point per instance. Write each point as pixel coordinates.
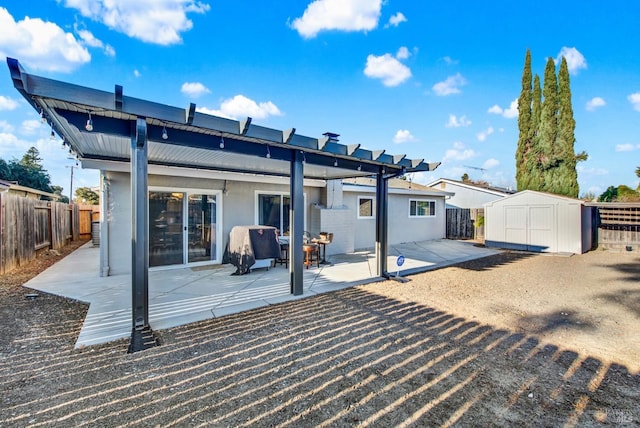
(549, 129)
(567, 176)
(524, 126)
(545, 156)
(533, 163)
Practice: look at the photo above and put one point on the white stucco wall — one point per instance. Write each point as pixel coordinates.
(238, 208)
(402, 228)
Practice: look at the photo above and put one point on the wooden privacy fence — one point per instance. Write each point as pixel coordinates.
(465, 223)
(29, 225)
(618, 225)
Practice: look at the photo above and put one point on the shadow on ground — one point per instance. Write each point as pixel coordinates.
(564, 318)
(491, 262)
(629, 299)
(338, 359)
(630, 271)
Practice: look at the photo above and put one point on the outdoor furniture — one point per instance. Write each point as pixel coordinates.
(284, 254)
(252, 247)
(324, 239)
(311, 252)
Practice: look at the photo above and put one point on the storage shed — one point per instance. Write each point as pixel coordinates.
(541, 222)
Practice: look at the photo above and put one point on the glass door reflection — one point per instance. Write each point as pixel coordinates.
(166, 241)
(201, 228)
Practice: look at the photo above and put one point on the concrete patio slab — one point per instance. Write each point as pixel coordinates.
(186, 295)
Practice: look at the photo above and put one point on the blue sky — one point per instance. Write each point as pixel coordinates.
(432, 80)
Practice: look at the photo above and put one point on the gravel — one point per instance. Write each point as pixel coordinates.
(508, 340)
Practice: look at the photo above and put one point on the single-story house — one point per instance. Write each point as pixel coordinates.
(468, 194)
(540, 222)
(174, 181)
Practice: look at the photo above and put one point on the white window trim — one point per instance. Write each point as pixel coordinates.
(257, 193)
(189, 190)
(373, 208)
(435, 208)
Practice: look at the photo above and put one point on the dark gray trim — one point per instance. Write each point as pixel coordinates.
(139, 226)
(297, 223)
(382, 191)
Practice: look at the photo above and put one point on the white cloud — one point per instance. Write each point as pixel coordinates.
(194, 89)
(391, 71)
(512, 111)
(39, 44)
(450, 86)
(634, 99)
(89, 39)
(342, 15)
(7, 103)
(5, 127)
(594, 103)
(458, 152)
(509, 113)
(482, 135)
(403, 53)
(591, 171)
(449, 61)
(455, 122)
(403, 136)
(241, 106)
(396, 20)
(10, 143)
(628, 147)
(575, 60)
(490, 163)
(136, 73)
(159, 22)
(30, 126)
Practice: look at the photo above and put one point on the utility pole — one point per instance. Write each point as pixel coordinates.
(71, 186)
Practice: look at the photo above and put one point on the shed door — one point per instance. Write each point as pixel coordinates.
(531, 228)
(542, 229)
(515, 225)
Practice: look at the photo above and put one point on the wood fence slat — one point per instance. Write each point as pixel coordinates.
(28, 225)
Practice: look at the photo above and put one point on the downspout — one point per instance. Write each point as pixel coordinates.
(104, 225)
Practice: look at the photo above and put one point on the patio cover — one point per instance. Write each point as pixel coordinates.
(108, 127)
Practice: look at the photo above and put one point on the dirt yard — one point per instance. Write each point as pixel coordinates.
(508, 340)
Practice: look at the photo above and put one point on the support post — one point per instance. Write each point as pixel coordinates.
(297, 223)
(141, 336)
(382, 187)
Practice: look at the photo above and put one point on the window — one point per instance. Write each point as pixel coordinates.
(422, 208)
(365, 207)
(274, 209)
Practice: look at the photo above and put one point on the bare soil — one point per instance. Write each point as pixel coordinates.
(509, 340)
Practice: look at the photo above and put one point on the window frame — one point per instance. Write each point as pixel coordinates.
(281, 194)
(373, 207)
(429, 201)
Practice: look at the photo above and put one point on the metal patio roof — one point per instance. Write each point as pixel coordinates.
(183, 137)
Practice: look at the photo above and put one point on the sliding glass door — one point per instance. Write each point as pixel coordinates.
(183, 228)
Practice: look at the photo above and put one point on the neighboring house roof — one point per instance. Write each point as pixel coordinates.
(498, 191)
(14, 188)
(396, 185)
